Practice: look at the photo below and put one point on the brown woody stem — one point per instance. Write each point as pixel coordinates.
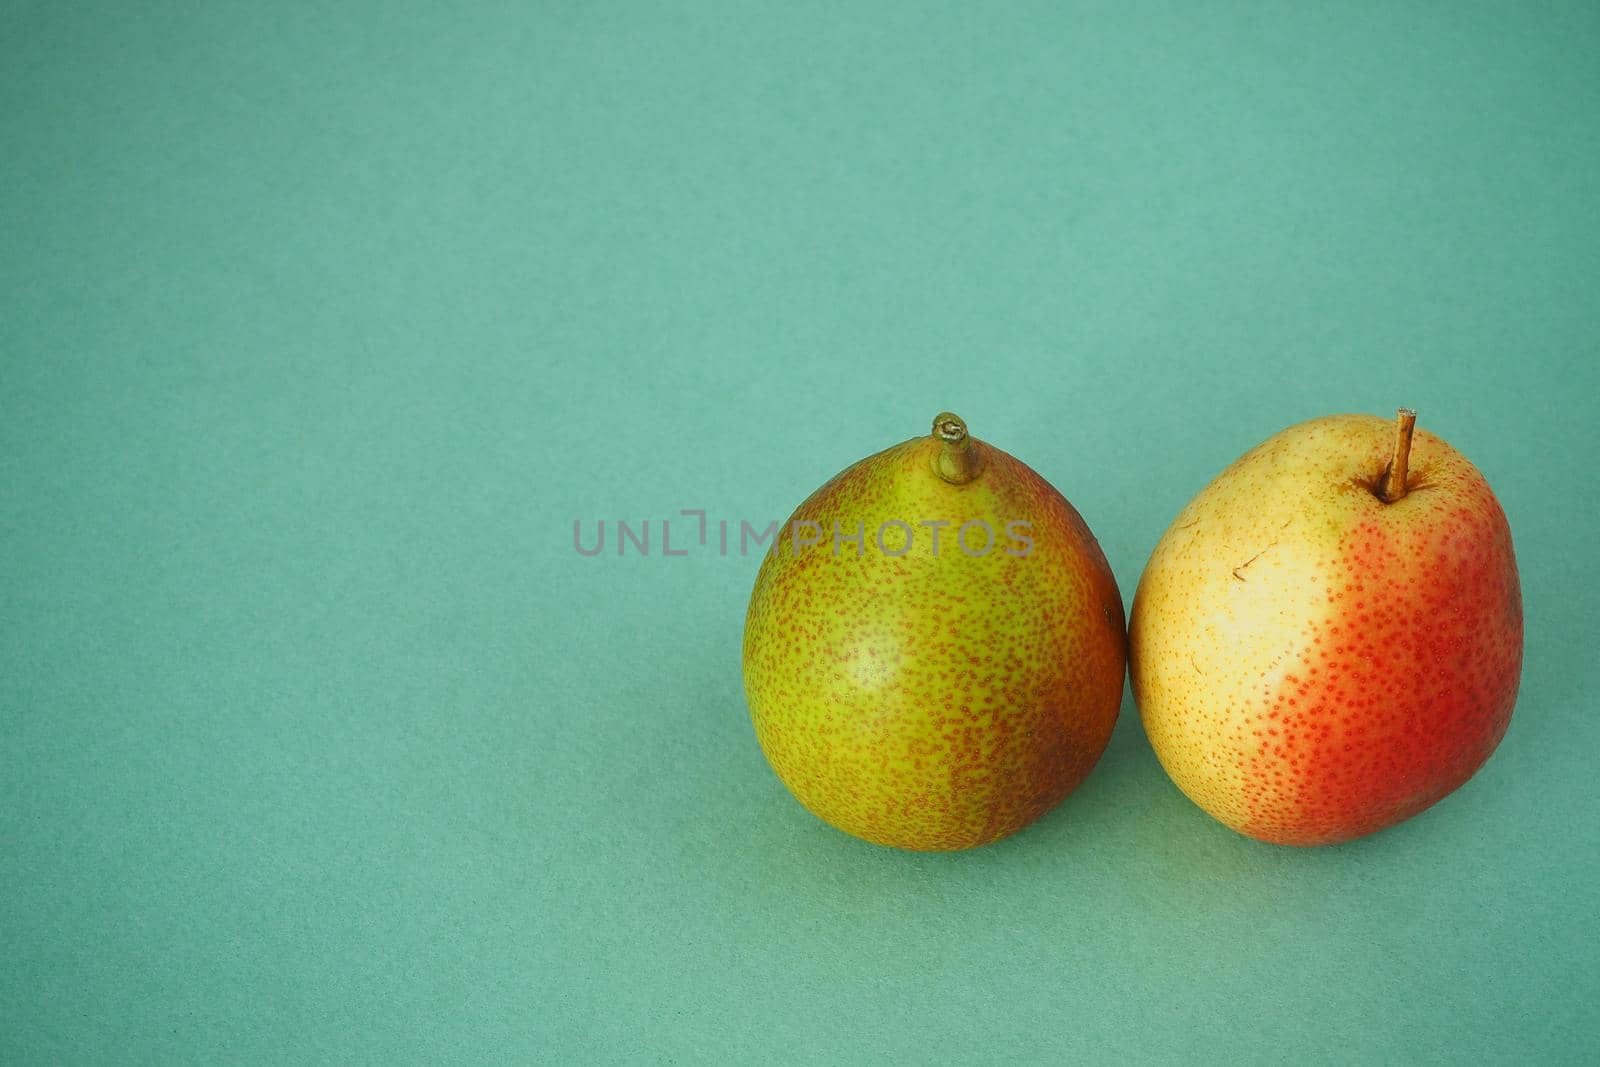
(1392, 486)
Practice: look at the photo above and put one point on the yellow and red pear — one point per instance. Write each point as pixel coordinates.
(1328, 639)
(952, 668)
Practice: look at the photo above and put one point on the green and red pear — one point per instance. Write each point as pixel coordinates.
(951, 669)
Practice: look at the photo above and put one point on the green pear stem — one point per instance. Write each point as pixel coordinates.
(1392, 486)
(958, 461)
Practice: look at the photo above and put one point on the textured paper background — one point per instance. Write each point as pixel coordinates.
(320, 328)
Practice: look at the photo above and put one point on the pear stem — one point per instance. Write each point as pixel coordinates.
(1392, 486)
(958, 461)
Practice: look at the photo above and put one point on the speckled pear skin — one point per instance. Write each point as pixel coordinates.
(935, 702)
(1313, 664)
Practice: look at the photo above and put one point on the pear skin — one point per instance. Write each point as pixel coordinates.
(1328, 639)
(913, 687)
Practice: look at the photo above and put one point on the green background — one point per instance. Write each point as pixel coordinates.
(322, 325)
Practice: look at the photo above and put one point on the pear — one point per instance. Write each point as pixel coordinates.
(1328, 639)
(934, 650)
